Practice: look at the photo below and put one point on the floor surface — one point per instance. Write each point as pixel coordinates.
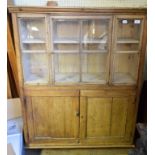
(77, 152)
(32, 152)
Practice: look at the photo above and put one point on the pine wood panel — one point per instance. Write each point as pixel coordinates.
(101, 87)
(102, 120)
(54, 93)
(130, 118)
(86, 152)
(107, 93)
(28, 115)
(106, 120)
(76, 145)
(17, 9)
(83, 118)
(98, 117)
(119, 115)
(53, 118)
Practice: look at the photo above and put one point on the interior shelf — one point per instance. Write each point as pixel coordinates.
(94, 78)
(95, 47)
(123, 78)
(35, 80)
(95, 41)
(94, 51)
(67, 77)
(66, 51)
(33, 41)
(75, 77)
(33, 51)
(124, 41)
(126, 51)
(65, 41)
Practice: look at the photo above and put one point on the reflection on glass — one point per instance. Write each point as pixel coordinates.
(33, 34)
(35, 68)
(95, 35)
(129, 30)
(125, 68)
(32, 29)
(67, 68)
(66, 30)
(94, 68)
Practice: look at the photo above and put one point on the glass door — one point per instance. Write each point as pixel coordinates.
(81, 49)
(33, 42)
(126, 50)
(66, 48)
(95, 50)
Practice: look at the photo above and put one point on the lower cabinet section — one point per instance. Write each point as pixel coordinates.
(81, 119)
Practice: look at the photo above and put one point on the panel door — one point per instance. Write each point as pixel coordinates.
(106, 120)
(95, 50)
(53, 118)
(65, 50)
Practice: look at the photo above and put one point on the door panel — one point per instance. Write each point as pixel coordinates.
(98, 117)
(54, 118)
(131, 119)
(106, 120)
(119, 116)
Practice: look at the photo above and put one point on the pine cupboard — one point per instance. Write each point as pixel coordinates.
(80, 74)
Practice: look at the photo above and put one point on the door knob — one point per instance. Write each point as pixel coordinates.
(77, 113)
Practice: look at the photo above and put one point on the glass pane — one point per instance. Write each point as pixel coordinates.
(128, 30)
(95, 35)
(35, 68)
(66, 39)
(66, 48)
(94, 47)
(127, 47)
(67, 68)
(66, 31)
(32, 29)
(128, 35)
(125, 68)
(94, 68)
(32, 34)
(34, 47)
